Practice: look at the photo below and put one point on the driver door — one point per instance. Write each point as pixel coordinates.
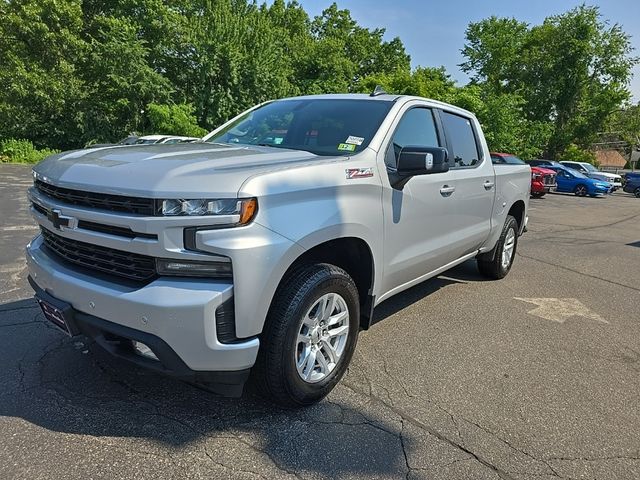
(419, 218)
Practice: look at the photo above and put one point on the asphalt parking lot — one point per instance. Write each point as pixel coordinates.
(535, 376)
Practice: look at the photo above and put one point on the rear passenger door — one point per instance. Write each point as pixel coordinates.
(475, 184)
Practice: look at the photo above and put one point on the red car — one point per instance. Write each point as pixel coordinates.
(543, 180)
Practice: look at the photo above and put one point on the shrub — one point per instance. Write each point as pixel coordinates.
(22, 151)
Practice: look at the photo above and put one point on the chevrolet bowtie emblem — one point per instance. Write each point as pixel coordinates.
(60, 221)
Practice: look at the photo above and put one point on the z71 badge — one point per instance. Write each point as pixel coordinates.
(359, 173)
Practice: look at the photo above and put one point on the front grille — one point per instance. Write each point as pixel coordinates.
(114, 230)
(132, 266)
(103, 201)
(102, 228)
(549, 179)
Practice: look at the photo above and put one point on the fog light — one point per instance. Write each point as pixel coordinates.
(191, 268)
(143, 350)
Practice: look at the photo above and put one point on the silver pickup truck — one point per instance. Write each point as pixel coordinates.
(263, 249)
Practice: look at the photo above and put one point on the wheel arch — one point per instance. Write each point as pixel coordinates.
(353, 255)
(518, 211)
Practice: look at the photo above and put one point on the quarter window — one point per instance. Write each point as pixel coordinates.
(463, 140)
(417, 128)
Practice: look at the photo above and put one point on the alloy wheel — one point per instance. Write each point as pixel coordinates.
(322, 338)
(507, 250)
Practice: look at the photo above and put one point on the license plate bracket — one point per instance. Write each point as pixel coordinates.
(57, 312)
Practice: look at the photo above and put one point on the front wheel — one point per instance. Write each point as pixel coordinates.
(580, 190)
(498, 267)
(309, 336)
(636, 192)
(537, 194)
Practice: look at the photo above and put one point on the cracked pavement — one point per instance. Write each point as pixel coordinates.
(455, 379)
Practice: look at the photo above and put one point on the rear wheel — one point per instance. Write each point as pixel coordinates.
(498, 267)
(580, 190)
(636, 192)
(309, 337)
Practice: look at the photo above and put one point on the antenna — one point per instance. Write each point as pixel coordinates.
(378, 91)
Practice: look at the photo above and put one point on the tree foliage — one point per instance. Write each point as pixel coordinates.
(174, 120)
(74, 72)
(573, 153)
(572, 72)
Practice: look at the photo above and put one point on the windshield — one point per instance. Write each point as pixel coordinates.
(589, 167)
(576, 173)
(319, 126)
(147, 141)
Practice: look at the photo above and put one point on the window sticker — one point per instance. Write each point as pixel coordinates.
(347, 147)
(354, 140)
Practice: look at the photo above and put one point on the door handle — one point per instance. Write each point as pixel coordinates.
(446, 190)
(488, 185)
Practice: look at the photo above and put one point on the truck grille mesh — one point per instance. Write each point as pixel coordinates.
(104, 201)
(549, 179)
(133, 266)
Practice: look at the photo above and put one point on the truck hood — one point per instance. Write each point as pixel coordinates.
(199, 169)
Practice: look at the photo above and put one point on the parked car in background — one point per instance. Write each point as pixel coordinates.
(543, 180)
(130, 140)
(572, 181)
(542, 163)
(632, 185)
(631, 175)
(591, 171)
(171, 140)
(164, 139)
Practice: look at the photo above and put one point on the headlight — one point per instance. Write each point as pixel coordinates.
(246, 208)
(192, 268)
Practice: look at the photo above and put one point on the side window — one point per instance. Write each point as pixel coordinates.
(495, 159)
(463, 140)
(417, 128)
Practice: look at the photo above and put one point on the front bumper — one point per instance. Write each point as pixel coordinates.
(118, 341)
(179, 312)
(539, 187)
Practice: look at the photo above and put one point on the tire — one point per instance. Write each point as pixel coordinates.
(580, 190)
(636, 192)
(280, 366)
(538, 194)
(496, 268)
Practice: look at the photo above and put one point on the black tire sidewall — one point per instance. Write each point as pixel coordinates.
(578, 188)
(510, 223)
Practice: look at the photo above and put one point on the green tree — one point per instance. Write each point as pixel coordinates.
(493, 50)
(572, 71)
(174, 120)
(41, 89)
(625, 124)
(343, 53)
(573, 153)
(120, 82)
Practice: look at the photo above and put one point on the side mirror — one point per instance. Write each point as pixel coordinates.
(414, 161)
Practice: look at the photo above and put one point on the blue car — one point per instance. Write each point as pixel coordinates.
(572, 181)
(632, 185)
